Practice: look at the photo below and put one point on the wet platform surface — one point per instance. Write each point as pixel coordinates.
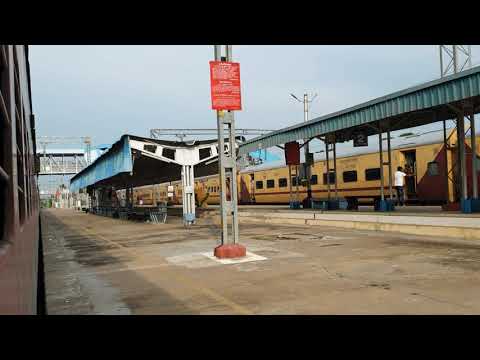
(99, 265)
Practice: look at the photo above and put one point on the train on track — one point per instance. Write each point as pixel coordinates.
(423, 155)
(21, 265)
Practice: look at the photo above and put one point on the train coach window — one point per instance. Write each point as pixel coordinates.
(270, 184)
(314, 180)
(432, 168)
(294, 181)
(372, 174)
(4, 146)
(350, 176)
(282, 182)
(259, 184)
(20, 129)
(331, 179)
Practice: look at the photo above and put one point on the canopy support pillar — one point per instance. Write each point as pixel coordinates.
(470, 204)
(389, 149)
(474, 156)
(335, 165)
(461, 155)
(188, 194)
(445, 154)
(384, 205)
(327, 160)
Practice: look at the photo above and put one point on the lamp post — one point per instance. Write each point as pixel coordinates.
(306, 147)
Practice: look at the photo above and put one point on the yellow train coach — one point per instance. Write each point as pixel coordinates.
(422, 155)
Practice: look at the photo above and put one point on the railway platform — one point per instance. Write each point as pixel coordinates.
(101, 265)
(414, 220)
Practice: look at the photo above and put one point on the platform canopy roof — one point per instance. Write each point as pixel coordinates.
(430, 102)
(137, 161)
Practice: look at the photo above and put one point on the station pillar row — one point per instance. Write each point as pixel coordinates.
(385, 204)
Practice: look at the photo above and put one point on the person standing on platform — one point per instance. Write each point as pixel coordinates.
(399, 184)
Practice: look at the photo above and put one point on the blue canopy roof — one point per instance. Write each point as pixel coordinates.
(116, 160)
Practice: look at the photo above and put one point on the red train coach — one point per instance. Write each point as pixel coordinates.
(21, 266)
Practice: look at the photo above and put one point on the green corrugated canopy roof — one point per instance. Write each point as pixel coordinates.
(419, 105)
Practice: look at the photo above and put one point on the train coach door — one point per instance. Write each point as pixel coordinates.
(252, 187)
(244, 189)
(411, 171)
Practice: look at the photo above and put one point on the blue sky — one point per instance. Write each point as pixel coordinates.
(106, 91)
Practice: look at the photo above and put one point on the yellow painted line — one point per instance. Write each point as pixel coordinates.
(186, 280)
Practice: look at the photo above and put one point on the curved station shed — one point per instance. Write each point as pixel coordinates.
(137, 161)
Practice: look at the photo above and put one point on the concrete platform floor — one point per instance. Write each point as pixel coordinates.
(99, 265)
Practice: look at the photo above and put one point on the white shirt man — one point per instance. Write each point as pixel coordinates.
(400, 178)
(399, 183)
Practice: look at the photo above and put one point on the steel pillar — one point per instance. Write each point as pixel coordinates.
(445, 151)
(307, 150)
(294, 197)
(385, 205)
(473, 143)
(454, 58)
(335, 166)
(461, 154)
(297, 167)
(389, 148)
(227, 162)
(290, 183)
(380, 148)
(328, 168)
(188, 194)
(306, 165)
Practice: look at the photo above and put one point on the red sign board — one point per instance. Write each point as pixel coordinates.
(225, 85)
(292, 153)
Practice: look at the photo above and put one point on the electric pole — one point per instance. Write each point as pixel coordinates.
(453, 59)
(308, 160)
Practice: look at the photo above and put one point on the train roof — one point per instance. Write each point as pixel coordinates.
(404, 139)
